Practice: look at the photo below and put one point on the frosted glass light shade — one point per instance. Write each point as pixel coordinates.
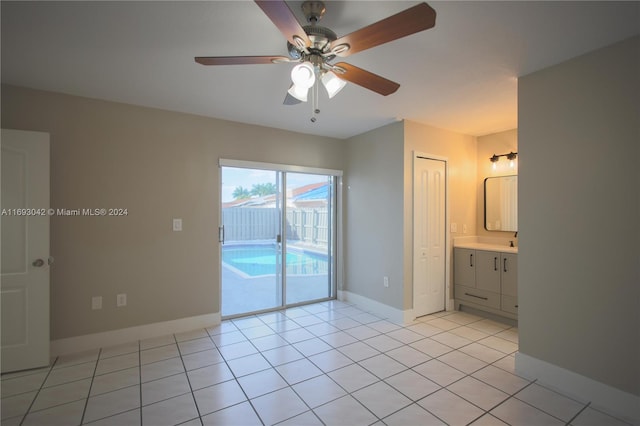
(332, 83)
(303, 75)
(298, 92)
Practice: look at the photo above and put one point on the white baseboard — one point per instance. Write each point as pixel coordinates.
(124, 335)
(603, 397)
(451, 305)
(380, 309)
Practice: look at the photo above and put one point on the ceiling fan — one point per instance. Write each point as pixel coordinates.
(315, 47)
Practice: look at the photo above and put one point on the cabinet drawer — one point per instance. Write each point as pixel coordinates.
(478, 296)
(510, 304)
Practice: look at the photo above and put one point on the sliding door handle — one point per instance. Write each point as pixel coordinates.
(221, 234)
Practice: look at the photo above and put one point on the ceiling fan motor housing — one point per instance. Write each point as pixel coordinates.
(321, 38)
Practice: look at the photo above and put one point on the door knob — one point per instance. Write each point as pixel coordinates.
(38, 263)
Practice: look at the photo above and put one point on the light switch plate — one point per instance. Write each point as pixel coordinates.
(121, 300)
(96, 302)
(177, 224)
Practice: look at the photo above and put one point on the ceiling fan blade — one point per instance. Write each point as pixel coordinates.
(415, 19)
(285, 20)
(366, 79)
(240, 60)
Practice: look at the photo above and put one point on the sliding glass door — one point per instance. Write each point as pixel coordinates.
(277, 238)
(250, 232)
(309, 240)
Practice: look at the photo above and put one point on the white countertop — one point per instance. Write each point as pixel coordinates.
(487, 246)
(486, 243)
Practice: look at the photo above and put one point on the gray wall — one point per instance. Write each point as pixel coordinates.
(379, 204)
(159, 165)
(373, 215)
(579, 256)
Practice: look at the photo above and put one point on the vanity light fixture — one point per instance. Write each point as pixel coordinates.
(494, 161)
(510, 156)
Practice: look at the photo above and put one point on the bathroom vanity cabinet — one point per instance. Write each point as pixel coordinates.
(487, 280)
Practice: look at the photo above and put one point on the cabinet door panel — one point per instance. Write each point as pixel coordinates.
(509, 271)
(488, 271)
(464, 272)
(509, 304)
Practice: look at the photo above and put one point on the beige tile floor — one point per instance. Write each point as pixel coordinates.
(328, 363)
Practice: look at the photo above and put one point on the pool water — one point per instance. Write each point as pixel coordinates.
(256, 260)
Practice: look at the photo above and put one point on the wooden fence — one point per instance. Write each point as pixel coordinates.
(304, 225)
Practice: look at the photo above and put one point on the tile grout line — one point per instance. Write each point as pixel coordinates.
(546, 412)
(383, 380)
(334, 348)
(328, 362)
(322, 321)
(140, 379)
(330, 378)
(193, 396)
(348, 393)
(311, 378)
(93, 376)
(277, 372)
(26, 413)
(578, 413)
(361, 341)
(235, 379)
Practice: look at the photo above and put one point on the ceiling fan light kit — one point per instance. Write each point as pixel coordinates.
(315, 47)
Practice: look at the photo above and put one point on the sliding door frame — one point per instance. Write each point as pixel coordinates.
(335, 237)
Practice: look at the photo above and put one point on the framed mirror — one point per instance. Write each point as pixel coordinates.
(501, 203)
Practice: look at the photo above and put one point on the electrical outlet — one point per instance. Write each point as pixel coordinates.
(385, 281)
(464, 229)
(177, 224)
(454, 227)
(121, 300)
(96, 302)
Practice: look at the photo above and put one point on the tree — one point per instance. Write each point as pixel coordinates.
(241, 193)
(262, 189)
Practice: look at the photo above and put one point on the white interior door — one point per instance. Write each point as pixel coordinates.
(429, 236)
(24, 283)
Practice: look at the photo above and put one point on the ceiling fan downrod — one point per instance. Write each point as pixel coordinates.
(313, 10)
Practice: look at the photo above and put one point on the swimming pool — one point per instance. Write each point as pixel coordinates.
(258, 260)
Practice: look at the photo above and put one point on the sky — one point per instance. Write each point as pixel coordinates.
(233, 177)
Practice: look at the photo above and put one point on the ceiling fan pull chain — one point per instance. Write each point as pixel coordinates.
(314, 99)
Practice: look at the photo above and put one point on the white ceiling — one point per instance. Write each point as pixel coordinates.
(460, 75)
